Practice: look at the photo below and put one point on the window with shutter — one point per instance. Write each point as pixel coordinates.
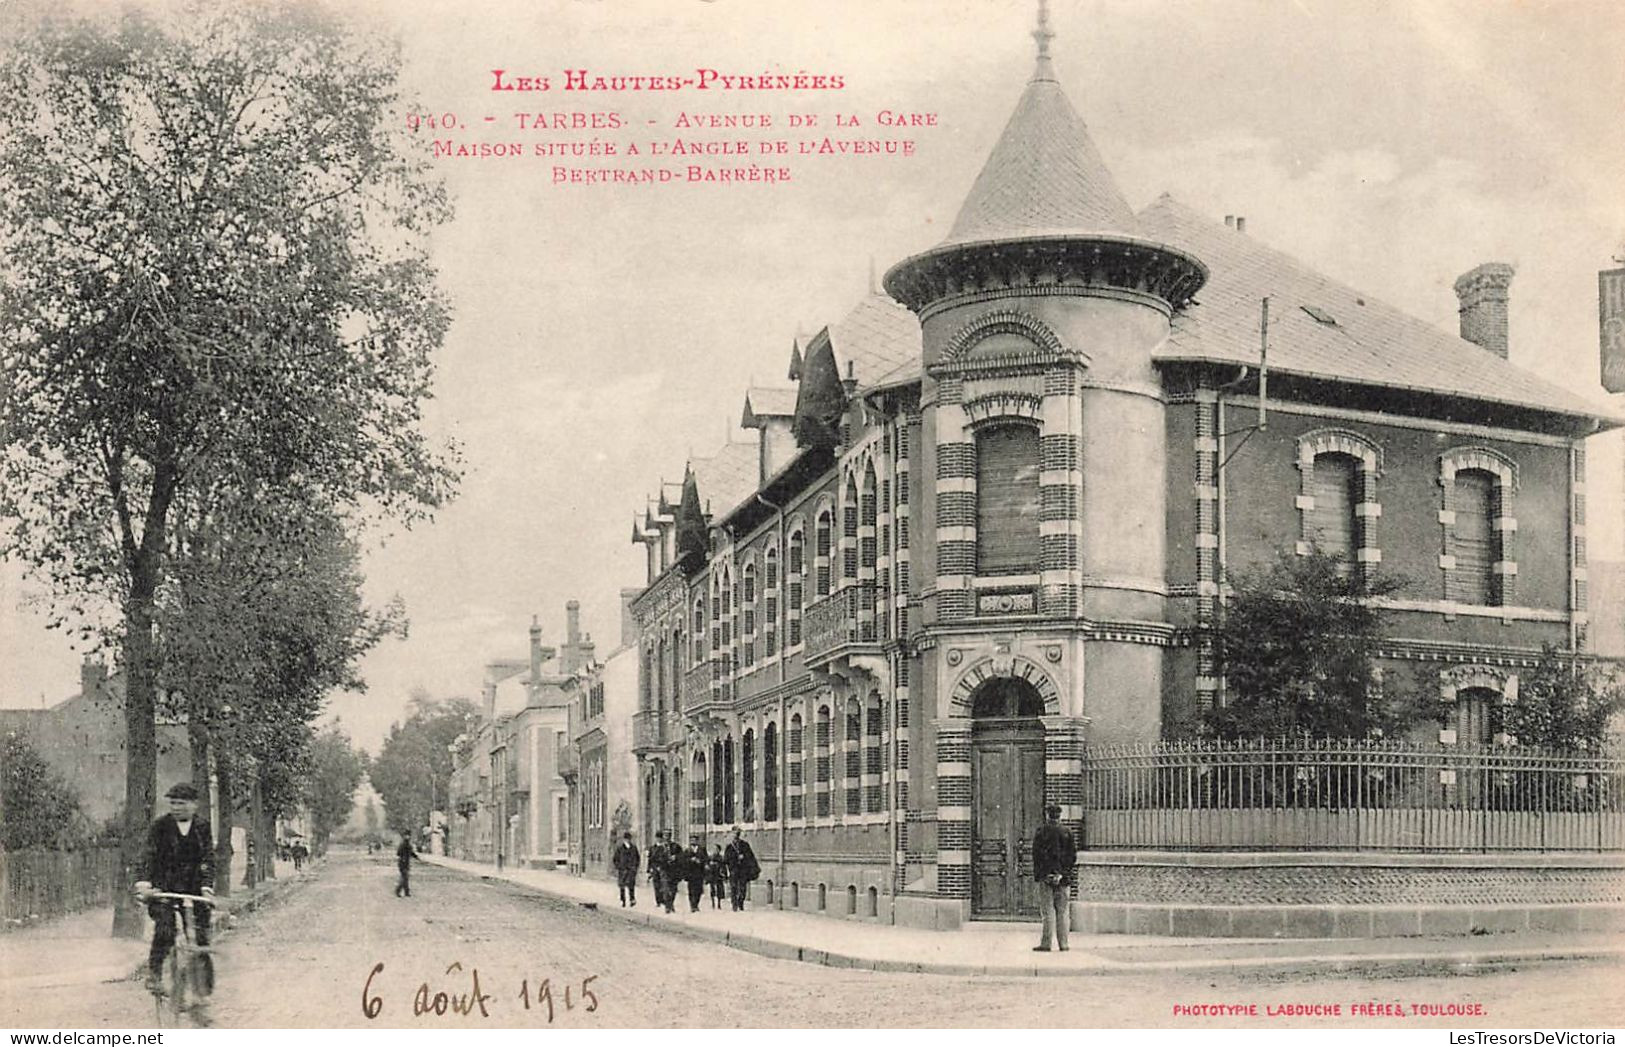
(1332, 526)
(1471, 580)
(1477, 716)
(1007, 500)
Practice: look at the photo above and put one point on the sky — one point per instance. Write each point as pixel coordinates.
(605, 333)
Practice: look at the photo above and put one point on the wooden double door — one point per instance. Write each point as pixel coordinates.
(1007, 798)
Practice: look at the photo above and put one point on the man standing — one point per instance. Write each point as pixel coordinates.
(663, 857)
(742, 867)
(1054, 857)
(627, 861)
(716, 874)
(403, 861)
(179, 860)
(694, 872)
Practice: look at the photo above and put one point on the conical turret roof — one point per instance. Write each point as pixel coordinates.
(1044, 177)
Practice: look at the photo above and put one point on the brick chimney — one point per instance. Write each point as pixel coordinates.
(1483, 294)
(629, 623)
(535, 650)
(92, 677)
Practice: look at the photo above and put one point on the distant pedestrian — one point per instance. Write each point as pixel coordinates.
(716, 874)
(1054, 857)
(403, 861)
(742, 867)
(694, 863)
(627, 860)
(300, 853)
(663, 857)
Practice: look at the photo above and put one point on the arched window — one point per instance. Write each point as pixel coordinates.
(677, 647)
(797, 570)
(1333, 528)
(747, 611)
(660, 673)
(873, 728)
(716, 783)
(853, 752)
(699, 629)
(794, 754)
(1005, 697)
(821, 766)
(849, 532)
(747, 776)
(1478, 716)
(697, 789)
(770, 601)
(821, 553)
(728, 794)
(770, 772)
(646, 680)
(868, 513)
(1472, 579)
(1007, 500)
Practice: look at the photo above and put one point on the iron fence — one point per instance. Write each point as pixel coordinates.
(39, 883)
(1345, 795)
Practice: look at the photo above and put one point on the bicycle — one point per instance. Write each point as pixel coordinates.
(188, 965)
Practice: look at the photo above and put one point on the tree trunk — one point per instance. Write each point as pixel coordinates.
(227, 802)
(140, 744)
(267, 831)
(197, 738)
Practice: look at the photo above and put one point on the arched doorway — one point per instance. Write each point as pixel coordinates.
(1007, 797)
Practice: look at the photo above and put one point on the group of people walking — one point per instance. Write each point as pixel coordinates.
(734, 866)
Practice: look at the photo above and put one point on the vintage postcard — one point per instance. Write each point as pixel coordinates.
(590, 514)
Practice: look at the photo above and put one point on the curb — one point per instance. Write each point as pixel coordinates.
(1388, 964)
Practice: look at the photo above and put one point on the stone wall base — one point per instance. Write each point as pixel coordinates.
(1339, 921)
(930, 914)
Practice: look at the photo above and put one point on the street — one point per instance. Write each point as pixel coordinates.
(305, 961)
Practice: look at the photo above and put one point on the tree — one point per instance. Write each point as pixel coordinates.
(1297, 643)
(412, 771)
(336, 771)
(262, 617)
(1564, 703)
(213, 226)
(38, 807)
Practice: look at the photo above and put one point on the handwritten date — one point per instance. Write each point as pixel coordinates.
(463, 995)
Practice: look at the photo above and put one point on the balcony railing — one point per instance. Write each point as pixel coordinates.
(840, 621)
(697, 685)
(651, 729)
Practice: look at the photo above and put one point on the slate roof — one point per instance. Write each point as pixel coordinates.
(1370, 342)
(875, 337)
(763, 402)
(727, 478)
(1044, 177)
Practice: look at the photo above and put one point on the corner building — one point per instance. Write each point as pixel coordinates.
(989, 527)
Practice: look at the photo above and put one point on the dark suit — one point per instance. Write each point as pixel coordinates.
(403, 862)
(1054, 857)
(179, 864)
(742, 867)
(626, 862)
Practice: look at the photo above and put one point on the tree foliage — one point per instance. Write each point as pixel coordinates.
(1297, 643)
(38, 807)
(216, 281)
(412, 772)
(336, 772)
(1564, 703)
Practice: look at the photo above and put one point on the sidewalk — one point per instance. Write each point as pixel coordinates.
(78, 949)
(1005, 949)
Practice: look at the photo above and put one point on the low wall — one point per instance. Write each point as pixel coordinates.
(1328, 894)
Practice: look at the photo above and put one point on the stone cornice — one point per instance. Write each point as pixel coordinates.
(1049, 265)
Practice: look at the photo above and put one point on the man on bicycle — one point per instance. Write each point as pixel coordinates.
(180, 860)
